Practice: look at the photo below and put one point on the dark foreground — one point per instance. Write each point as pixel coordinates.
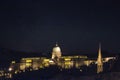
(106, 76)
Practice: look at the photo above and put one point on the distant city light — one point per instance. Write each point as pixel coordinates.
(10, 69)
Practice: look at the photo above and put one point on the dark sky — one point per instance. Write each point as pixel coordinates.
(35, 26)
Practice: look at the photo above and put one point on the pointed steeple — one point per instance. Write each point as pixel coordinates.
(99, 60)
(99, 52)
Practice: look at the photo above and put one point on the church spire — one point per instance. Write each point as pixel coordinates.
(99, 60)
(99, 52)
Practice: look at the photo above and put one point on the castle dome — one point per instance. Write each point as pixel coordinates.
(56, 52)
(56, 48)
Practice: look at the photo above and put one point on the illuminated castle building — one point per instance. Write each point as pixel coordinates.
(63, 62)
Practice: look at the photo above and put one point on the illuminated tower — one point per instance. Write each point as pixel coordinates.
(56, 52)
(99, 61)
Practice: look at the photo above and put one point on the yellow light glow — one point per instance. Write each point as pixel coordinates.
(22, 67)
(32, 58)
(51, 61)
(67, 59)
(41, 66)
(46, 65)
(74, 57)
(16, 72)
(46, 60)
(29, 60)
(13, 62)
(28, 64)
(68, 63)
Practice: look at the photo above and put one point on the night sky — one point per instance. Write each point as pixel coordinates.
(35, 26)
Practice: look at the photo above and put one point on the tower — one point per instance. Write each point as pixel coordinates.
(99, 61)
(56, 52)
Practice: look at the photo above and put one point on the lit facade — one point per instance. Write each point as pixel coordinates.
(34, 63)
(63, 62)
